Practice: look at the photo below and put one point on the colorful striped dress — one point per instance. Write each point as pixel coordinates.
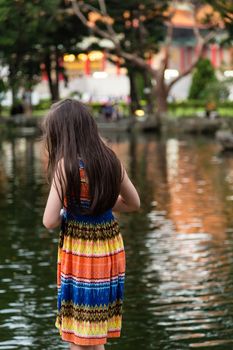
(90, 275)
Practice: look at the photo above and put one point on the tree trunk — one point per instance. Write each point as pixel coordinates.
(13, 84)
(51, 67)
(148, 92)
(134, 105)
(13, 93)
(161, 94)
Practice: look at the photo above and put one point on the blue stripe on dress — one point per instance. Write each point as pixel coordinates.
(89, 285)
(91, 296)
(91, 219)
(81, 164)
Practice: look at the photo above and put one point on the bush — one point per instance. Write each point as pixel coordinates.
(197, 104)
(43, 105)
(187, 104)
(218, 91)
(190, 108)
(96, 107)
(203, 76)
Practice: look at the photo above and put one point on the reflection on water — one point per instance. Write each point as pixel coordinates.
(179, 247)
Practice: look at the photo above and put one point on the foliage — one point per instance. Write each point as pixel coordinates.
(218, 90)
(206, 87)
(191, 108)
(186, 108)
(40, 32)
(195, 104)
(3, 89)
(225, 9)
(136, 30)
(180, 112)
(141, 28)
(32, 33)
(203, 76)
(43, 104)
(20, 26)
(141, 24)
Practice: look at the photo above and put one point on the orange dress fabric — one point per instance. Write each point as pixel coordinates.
(90, 275)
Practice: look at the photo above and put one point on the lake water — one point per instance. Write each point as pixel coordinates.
(179, 247)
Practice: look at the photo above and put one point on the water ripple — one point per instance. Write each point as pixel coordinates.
(179, 285)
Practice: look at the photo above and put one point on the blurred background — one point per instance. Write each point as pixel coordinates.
(158, 77)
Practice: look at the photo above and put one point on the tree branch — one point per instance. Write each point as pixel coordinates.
(110, 34)
(103, 9)
(103, 6)
(201, 42)
(167, 47)
(78, 12)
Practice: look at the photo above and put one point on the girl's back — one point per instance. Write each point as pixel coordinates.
(91, 272)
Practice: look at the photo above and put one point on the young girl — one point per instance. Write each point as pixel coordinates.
(87, 183)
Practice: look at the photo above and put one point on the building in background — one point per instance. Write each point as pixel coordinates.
(92, 77)
(184, 49)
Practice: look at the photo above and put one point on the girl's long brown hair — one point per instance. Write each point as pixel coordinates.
(70, 133)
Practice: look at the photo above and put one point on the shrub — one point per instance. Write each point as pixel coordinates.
(44, 104)
(203, 76)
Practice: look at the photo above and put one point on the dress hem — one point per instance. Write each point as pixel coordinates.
(72, 338)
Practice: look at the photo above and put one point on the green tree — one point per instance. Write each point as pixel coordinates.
(60, 35)
(34, 33)
(204, 75)
(133, 38)
(136, 30)
(19, 28)
(142, 23)
(218, 91)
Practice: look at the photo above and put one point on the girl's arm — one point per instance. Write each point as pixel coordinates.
(51, 218)
(128, 200)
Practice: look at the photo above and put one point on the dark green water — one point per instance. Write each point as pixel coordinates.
(179, 282)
